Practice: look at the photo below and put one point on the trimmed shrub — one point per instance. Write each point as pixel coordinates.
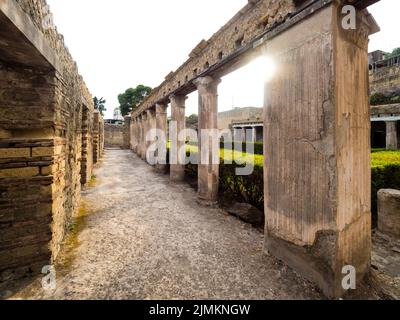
(250, 189)
(258, 147)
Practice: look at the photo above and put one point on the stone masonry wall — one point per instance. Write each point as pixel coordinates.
(385, 80)
(114, 135)
(46, 150)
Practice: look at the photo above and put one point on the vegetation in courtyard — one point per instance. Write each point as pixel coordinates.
(385, 166)
(381, 99)
(131, 98)
(394, 53)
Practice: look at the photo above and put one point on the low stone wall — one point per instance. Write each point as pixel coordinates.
(385, 80)
(114, 135)
(389, 212)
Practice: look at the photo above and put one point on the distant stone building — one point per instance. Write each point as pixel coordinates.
(384, 77)
(243, 122)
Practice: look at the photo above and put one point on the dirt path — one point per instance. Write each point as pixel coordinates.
(145, 238)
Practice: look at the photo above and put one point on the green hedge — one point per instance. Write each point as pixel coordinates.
(250, 189)
(385, 175)
(258, 146)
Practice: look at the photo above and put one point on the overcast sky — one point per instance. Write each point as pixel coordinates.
(122, 43)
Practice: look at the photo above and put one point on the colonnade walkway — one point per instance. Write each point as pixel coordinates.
(141, 237)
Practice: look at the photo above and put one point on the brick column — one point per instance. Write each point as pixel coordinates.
(208, 179)
(317, 149)
(391, 135)
(177, 170)
(161, 124)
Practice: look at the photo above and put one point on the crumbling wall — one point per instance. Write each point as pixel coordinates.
(385, 80)
(46, 150)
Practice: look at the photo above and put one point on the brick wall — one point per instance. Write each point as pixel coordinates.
(50, 137)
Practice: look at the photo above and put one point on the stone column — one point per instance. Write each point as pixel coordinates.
(317, 149)
(254, 133)
(151, 124)
(177, 170)
(127, 132)
(134, 135)
(391, 135)
(208, 179)
(161, 124)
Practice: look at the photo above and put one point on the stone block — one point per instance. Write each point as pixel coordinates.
(42, 151)
(389, 212)
(19, 172)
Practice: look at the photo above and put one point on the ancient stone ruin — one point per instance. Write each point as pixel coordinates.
(316, 118)
(50, 138)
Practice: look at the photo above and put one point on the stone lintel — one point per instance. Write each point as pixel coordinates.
(23, 25)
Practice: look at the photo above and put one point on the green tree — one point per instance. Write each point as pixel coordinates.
(99, 104)
(131, 98)
(394, 53)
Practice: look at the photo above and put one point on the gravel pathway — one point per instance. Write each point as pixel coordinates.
(145, 238)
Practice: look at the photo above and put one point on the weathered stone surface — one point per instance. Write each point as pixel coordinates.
(208, 171)
(389, 212)
(15, 153)
(385, 80)
(247, 213)
(177, 168)
(114, 135)
(127, 133)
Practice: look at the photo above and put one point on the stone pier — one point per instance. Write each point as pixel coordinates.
(317, 164)
(208, 169)
(178, 119)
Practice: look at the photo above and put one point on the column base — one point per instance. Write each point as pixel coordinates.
(314, 262)
(207, 203)
(161, 168)
(177, 173)
(208, 182)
